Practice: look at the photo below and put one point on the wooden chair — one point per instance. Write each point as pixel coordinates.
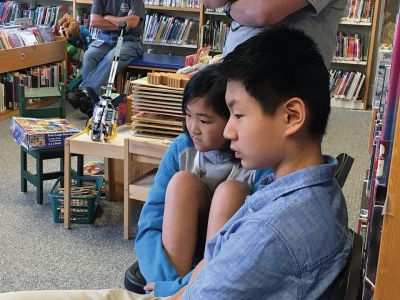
(58, 111)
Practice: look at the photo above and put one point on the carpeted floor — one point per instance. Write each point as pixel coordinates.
(36, 253)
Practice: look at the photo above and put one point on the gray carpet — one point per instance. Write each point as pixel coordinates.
(36, 253)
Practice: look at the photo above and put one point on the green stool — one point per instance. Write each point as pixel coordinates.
(58, 111)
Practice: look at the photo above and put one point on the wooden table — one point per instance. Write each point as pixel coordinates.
(141, 154)
(81, 144)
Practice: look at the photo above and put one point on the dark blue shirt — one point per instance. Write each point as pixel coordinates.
(121, 8)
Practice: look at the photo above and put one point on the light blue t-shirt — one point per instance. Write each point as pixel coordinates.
(289, 240)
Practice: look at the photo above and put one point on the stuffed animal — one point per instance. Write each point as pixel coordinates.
(85, 38)
(77, 35)
(69, 27)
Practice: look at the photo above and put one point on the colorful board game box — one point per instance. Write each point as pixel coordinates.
(41, 133)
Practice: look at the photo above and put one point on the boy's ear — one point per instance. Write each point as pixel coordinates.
(295, 113)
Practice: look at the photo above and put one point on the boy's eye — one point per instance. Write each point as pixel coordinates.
(187, 115)
(237, 116)
(205, 121)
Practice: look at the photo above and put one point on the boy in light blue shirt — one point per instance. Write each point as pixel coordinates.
(290, 239)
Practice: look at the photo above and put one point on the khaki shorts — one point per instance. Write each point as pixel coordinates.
(110, 294)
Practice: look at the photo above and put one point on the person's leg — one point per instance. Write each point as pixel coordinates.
(187, 204)
(228, 198)
(98, 77)
(91, 59)
(110, 294)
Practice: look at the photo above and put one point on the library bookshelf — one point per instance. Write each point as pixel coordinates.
(26, 57)
(365, 27)
(192, 13)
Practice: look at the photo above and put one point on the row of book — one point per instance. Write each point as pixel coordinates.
(17, 37)
(382, 145)
(35, 77)
(10, 11)
(382, 77)
(214, 34)
(94, 32)
(83, 17)
(350, 47)
(48, 15)
(170, 30)
(346, 85)
(359, 10)
(174, 3)
(218, 10)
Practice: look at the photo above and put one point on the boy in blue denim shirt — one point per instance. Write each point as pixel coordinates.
(290, 239)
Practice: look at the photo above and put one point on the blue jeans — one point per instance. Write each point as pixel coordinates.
(97, 63)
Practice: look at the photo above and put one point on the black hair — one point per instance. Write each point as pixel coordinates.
(211, 85)
(280, 63)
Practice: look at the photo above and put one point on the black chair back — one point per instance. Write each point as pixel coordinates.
(345, 163)
(347, 284)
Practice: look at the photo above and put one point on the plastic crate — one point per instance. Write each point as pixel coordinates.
(83, 207)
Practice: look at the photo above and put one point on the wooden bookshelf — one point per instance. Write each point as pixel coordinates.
(25, 57)
(388, 275)
(182, 9)
(197, 13)
(12, 113)
(365, 27)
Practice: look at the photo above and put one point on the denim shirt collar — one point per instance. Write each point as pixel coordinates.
(293, 181)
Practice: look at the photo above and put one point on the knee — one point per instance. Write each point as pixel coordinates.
(228, 194)
(185, 187)
(183, 181)
(231, 188)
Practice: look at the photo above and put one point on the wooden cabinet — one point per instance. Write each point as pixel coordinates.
(25, 57)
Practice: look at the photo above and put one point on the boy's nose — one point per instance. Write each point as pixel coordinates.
(229, 131)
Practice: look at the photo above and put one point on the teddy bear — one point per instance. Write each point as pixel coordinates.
(77, 35)
(69, 27)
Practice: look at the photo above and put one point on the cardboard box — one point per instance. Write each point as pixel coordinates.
(36, 134)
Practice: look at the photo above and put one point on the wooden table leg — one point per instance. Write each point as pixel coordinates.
(127, 201)
(67, 184)
(107, 177)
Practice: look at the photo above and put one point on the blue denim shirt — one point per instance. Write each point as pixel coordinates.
(288, 241)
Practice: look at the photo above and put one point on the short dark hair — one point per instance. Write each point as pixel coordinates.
(210, 84)
(280, 63)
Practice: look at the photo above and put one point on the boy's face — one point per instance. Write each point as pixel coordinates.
(256, 138)
(205, 127)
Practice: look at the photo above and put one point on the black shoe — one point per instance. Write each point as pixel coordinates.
(86, 106)
(134, 280)
(73, 99)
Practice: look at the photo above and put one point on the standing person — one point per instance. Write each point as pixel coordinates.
(317, 18)
(107, 15)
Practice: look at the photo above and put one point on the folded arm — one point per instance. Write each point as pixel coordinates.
(109, 22)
